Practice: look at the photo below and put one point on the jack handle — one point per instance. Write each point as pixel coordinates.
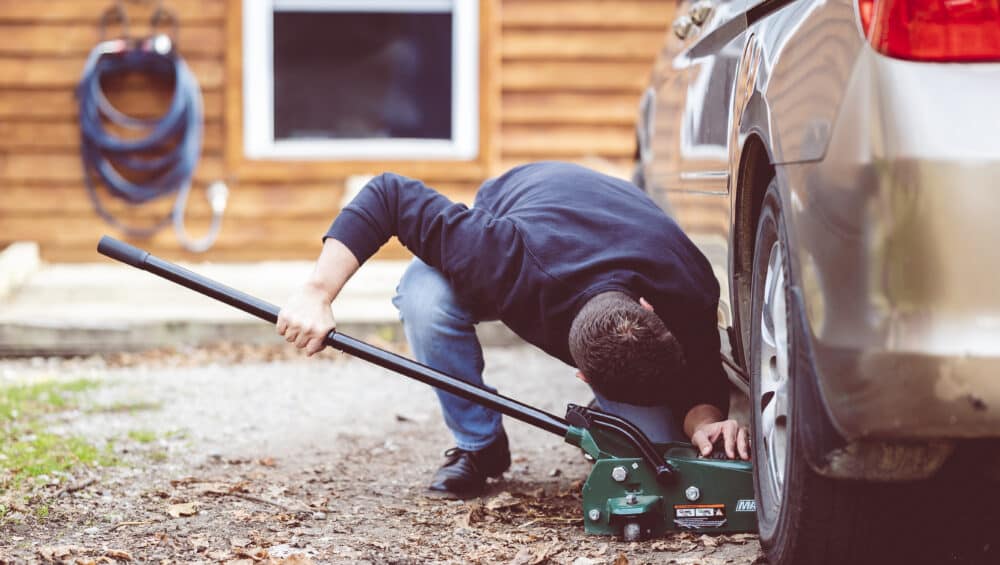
(268, 312)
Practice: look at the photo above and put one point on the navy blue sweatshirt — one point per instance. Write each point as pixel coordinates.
(539, 242)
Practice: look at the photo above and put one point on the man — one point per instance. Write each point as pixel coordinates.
(582, 265)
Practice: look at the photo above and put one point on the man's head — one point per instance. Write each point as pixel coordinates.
(623, 349)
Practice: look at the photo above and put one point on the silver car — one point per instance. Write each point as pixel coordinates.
(839, 163)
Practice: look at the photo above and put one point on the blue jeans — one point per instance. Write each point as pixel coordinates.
(442, 335)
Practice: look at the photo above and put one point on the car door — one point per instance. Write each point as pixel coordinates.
(687, 160)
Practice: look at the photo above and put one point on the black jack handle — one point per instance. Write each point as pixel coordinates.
(268, 312)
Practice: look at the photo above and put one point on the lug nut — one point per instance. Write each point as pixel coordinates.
(631, 499)
(692, 493)
(619, 474)
(594, 514)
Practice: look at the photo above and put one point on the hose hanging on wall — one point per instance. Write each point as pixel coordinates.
(166, 154)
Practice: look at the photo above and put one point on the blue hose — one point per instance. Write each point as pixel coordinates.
(166, 154)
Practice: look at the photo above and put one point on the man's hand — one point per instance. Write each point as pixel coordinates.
(306, 319)
(735, 438)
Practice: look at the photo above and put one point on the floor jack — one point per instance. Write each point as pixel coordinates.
(636, 489)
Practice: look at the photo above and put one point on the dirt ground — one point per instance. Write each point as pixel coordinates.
(254, 455)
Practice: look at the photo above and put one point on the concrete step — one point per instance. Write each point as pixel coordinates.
(82, 309)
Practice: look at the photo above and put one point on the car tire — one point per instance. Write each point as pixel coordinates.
(806, 518)
(803, 517)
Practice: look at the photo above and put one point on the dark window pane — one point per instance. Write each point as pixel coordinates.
(362, 75)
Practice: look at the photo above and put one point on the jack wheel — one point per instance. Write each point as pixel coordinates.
(632, 532)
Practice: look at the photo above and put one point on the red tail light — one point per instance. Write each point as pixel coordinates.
(933, 30)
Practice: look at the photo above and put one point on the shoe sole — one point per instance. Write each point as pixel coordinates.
(447, 495)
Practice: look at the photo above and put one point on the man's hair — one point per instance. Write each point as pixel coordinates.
(625, 351)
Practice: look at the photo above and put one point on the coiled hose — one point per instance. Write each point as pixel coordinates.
(166, 154)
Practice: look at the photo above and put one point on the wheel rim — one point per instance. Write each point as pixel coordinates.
(773, 401)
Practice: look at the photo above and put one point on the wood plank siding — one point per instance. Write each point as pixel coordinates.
(565, 78)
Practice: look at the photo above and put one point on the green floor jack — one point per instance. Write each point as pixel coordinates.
(636, 489)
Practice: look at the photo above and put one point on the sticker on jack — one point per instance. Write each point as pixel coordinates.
(699, 516)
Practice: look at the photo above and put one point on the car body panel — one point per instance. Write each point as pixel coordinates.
(891, 218)
(896, 256)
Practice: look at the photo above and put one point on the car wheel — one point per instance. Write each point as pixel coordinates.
(803, 517)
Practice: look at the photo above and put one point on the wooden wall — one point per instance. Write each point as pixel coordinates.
(570, 74)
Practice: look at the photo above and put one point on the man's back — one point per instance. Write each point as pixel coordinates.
(589, 232)
(539, 242)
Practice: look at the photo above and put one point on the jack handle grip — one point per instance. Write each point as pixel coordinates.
(121, 251)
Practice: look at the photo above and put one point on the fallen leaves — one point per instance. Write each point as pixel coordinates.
(502, 500)
(118, 555)
(256, 554)
(80, 555)
(59, 553)
(536, 555)
(526, 509)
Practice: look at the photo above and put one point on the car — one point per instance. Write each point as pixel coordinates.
(839, 163)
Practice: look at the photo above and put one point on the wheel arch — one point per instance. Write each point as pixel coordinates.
(753, 175)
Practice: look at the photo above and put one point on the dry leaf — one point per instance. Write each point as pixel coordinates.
(267, 462)
(118, 554)
(296, 559)
(257, 554)
(709, 541)
(585, 561)
(620, 560)
(475, 514)
(527, 556)
(217, 554)
(58, 553)
(239, 542)
(185, 509)
(217, 489)
(502, 500)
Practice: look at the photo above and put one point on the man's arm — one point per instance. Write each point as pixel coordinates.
(448, 236)
(461, 243)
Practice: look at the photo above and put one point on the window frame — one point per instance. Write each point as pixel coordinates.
(468, 155)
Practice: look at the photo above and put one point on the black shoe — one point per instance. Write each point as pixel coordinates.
(464, 473)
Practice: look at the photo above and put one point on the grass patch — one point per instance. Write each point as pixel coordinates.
(21, 402)
(26, 449)
(43, 453)
(142, 436)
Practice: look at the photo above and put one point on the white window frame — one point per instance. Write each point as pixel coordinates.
(258, 86)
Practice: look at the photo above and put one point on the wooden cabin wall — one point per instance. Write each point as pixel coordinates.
(570, 76)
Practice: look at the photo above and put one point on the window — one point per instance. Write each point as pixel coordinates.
(361, 79)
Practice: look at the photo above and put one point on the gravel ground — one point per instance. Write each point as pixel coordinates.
(254, 455)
